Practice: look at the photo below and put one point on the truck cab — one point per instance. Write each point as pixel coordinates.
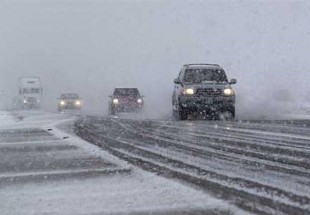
(29, 92)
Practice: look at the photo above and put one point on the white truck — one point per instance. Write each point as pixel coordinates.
(29, 93)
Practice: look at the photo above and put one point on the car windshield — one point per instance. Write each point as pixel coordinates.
(132, 92)
(70, 96)
(208, 75)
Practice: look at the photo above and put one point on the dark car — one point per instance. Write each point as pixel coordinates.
(125, 100)
(69, 101)
(203, 89)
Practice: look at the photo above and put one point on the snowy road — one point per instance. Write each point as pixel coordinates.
(46, 169)
(260, 166)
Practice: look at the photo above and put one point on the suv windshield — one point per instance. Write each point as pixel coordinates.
(70, 96)
(205, 75)
(133, 92)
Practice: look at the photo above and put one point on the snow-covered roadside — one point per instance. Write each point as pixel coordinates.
(31, 118)
(134, 192)
(143, 193)
(171, 195)
(64, 129)
(297, 116)
(6, 118)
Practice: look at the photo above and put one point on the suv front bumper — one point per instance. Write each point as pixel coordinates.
(207, 103)
(127, 107)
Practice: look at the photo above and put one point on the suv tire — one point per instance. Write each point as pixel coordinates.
(231, 110)
(112, 113)
(231, 113)
(183, 114)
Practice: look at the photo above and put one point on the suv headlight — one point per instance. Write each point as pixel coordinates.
(188, 91)
(229, 92)
(78, 103)
(139, 101)
(115, 101)
(62, 102)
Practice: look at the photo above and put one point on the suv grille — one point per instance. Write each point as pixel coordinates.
(209, 92)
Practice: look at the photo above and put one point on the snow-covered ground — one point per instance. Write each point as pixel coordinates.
(259, 165)
(45, 170)
(6, 118)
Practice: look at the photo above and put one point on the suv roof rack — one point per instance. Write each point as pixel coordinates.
(200, 64)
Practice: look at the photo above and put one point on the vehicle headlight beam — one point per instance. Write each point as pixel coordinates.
(188, 91)
(228, 92)
(115, 101)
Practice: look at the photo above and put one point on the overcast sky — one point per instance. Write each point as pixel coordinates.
(90, 47)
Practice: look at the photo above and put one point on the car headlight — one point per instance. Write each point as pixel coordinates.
(188, 91)
(62, 103)
(139, 101)
(115, 101)
(78, 103)
(228, 92)
(25, 101)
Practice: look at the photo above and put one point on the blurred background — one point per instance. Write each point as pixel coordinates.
(90, 47)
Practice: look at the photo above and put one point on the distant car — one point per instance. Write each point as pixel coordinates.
(203, 89)
(69, 101)
(125, 100)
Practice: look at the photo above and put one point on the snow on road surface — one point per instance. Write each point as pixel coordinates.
(6, 118)
(261, 166)
(46, 170)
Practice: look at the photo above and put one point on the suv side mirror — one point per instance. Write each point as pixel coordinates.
(233, 81)
(177, 81)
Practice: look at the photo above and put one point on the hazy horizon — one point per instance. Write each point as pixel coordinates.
(90, 47)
